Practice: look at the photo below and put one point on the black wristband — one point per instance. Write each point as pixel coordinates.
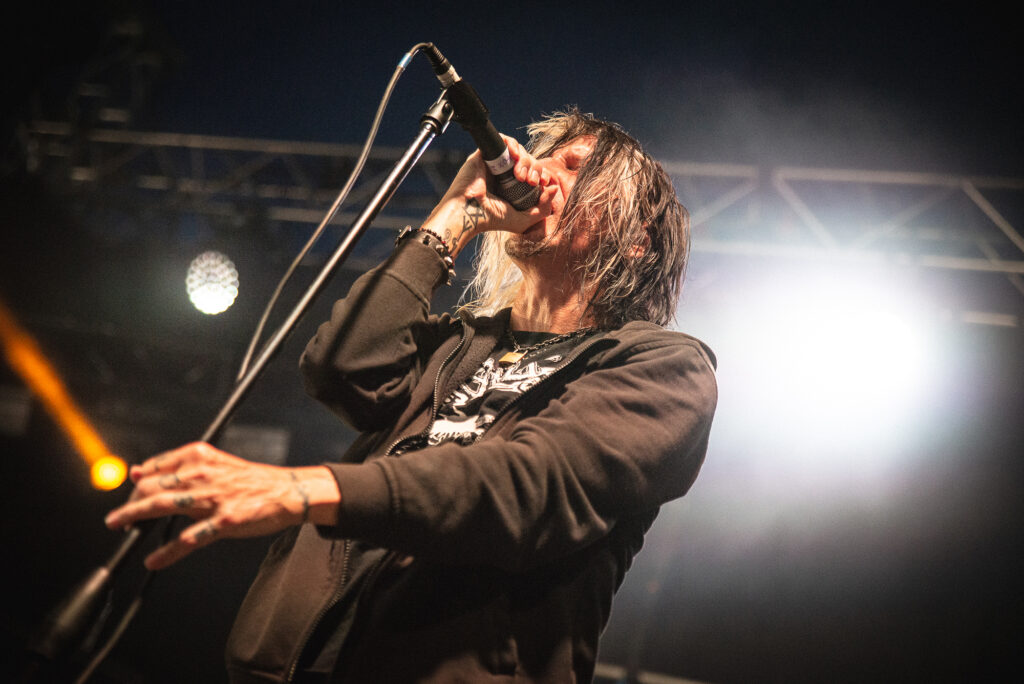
(431, 239)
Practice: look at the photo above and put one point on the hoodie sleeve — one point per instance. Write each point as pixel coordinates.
(623, 438)
(364, 361)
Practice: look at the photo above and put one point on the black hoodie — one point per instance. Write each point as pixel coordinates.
(495, 561)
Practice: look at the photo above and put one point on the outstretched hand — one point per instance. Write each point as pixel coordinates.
(227, 496)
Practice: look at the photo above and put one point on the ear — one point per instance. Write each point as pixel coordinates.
(640, 247)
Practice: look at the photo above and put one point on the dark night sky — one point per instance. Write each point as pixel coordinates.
(849, 84)
(899, 578)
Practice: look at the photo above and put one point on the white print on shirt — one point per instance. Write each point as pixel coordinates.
(460, 429)
(456, 425)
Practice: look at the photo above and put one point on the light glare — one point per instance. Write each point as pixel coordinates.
(212, 282)
(830, 363)
(108, 473)
(26, 358)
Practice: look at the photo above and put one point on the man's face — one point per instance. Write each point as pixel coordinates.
(541, 238)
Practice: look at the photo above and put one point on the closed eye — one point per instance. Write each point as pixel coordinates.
(571, 160)
(574, 155)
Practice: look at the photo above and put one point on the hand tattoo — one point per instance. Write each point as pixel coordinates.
(206, 532)
(169, 481)
(471, 214)
(183, 501)
(303, 494)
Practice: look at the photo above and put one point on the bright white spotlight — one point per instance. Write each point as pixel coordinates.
(212, 282)
(854, 351)
(835, 363)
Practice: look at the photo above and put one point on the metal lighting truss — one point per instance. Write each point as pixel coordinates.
(945, 222)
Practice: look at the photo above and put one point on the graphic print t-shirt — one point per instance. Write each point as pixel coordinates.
(466, 413)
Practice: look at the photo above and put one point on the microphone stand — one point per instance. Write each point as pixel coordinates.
(65, 628)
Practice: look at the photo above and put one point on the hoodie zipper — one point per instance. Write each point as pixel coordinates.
(335, 597)
(437, 391)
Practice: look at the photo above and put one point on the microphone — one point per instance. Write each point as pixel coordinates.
(472, 115)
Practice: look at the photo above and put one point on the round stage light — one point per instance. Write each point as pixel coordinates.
(108, 472)
(212, 282)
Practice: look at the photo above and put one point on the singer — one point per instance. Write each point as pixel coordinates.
(511, 455)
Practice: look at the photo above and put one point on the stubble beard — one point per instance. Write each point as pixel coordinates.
(547, 253)
(518, 247)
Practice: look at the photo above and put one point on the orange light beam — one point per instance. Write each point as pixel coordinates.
(27, 360)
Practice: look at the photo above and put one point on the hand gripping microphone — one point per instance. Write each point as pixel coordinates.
(472, 115)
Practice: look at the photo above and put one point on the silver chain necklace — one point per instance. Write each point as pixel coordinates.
(519, 351)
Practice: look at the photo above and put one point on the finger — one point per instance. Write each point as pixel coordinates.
(514, 148)
(167, 462)
(523, 165)
(547, 195)
(169, 481)
(191, 538)
(160, 482)
(158, 506)
(136, 494)
(145, 488)
(522, 169)
(517, 151)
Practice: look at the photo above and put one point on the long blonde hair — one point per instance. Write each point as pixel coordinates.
(635, 270)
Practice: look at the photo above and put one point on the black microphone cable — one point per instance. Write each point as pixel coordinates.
(342, 196)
